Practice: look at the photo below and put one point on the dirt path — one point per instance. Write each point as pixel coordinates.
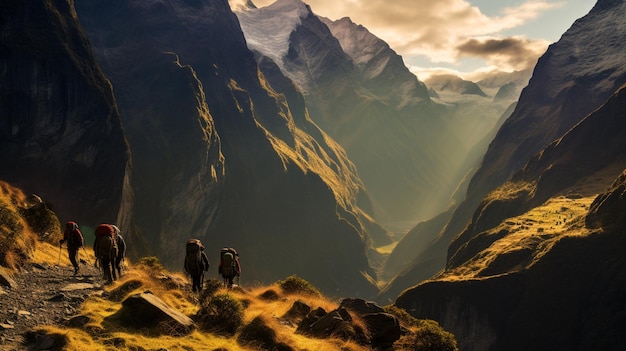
(43, 294)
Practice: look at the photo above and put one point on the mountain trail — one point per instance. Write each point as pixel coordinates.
(44, 294)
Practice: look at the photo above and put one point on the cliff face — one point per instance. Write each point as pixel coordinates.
(221, 155)
(359, 91)
(60, 131)
(541, 256)
(573, 78)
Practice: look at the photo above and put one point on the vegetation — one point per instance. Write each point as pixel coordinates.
(296, 285)
(23, 224)
(235, 319)
(221, 314)
(428, 336)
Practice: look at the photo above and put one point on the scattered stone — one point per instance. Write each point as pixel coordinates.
(58, 298)
(6, 280)
(258, 334)
(298, 311)
(6, 326)
(78, 321)
(361, 306)
(39, 266)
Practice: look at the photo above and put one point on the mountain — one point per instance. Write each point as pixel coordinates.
(449, 82)
(221, 155)
(540, 254)
(555, 271)
(573, 78)
(405, 146)
(60, 130)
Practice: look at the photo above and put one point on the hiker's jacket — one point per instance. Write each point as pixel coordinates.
(73, 238)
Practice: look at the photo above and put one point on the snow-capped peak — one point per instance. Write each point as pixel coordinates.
(267, 29)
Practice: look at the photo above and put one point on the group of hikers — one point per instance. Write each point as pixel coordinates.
(196, 263)
(109, 249)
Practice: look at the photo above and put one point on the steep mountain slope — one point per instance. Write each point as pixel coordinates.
(554, 272)
(571, 79)
(60, 132)
(220, 155)
(360, 92)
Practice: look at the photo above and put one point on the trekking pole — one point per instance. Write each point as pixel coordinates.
(86, 255)
(60, 246)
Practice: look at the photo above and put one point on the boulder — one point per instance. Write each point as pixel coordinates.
(384, 328)
(361, 306)
(146, 310)
(298, 311)
(258, 334)
(337, 323)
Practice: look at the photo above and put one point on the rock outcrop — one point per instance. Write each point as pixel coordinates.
(361, 93)
(146, 310)
(60, 131)
(573, 78)
(509, 277)
(221, 155)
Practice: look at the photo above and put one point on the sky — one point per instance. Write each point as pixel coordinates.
(467, 38)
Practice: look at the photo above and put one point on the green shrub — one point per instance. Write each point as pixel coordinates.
(220, 314)
(296, 285)
(209, 288)
(151, 265)
(404, 316)
(428, 336)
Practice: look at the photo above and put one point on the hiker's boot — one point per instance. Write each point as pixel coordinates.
(75, 270)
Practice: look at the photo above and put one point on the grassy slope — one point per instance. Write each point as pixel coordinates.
(21, 243)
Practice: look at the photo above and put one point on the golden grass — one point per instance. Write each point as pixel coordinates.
(102, 333)
(17, 240)
(387, 249)
(99, 334)
(533, 232)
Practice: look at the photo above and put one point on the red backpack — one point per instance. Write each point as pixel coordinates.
(105, 245)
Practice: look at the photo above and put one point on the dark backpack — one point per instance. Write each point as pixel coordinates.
(193, 256)
(105, 245)
(75, 239)
(228, 262)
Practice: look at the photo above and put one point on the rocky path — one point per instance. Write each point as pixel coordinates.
(43, 294)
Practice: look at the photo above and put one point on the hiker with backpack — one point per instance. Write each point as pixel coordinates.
(74, 239)
(229, 265)
(121, 251)
(105, 250)
(196, 263)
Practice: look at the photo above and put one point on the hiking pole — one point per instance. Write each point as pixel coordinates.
(86, 255)
(60, 246)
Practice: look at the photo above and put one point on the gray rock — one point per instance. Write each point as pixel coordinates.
(6, 280)
(146, 310)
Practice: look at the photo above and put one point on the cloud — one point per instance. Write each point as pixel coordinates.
(442, 31)
(512, 53)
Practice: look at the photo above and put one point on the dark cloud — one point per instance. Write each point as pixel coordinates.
(515, 52)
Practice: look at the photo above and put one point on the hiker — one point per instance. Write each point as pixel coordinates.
(105, 250)
(229, 265)
(196, 263)
(74, 239)
(121, 251)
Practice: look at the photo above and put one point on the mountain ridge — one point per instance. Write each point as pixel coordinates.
(567, 84)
